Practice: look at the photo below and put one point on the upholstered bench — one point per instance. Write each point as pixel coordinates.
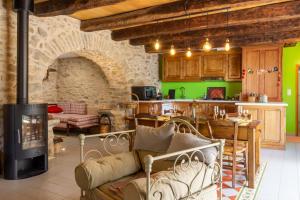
(74, 115)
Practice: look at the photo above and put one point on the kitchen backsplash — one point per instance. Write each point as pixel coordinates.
(195, 90)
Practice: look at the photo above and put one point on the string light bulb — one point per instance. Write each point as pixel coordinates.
(188, 53)
(172, 50)
(157, 45)
(207, 45)
(227, 45)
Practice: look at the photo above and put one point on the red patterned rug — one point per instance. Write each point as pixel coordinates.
(241, 191)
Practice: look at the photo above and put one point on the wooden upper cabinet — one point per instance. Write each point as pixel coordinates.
(234, 67)
(172, 68)
(214, 65)
(226, 65)
(191, 68)
(256, 62)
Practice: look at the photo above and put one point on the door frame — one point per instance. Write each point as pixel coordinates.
(297, 99)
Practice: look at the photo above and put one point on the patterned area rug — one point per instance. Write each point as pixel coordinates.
(241, 191)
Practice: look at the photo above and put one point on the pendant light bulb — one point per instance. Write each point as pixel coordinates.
(188, 53)
(227, 45)
(207, 45)
(172, 50)
(157, 45)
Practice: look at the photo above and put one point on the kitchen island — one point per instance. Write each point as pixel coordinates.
(272, 115)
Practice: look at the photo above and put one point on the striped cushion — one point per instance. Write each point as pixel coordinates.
(78, 108)
(65, 106)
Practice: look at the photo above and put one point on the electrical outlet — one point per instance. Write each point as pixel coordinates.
(289, 92)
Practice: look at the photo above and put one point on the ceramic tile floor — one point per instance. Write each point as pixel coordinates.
(280, 182)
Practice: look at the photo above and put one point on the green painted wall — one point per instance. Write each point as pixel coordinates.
(198, 89)
(291, 57)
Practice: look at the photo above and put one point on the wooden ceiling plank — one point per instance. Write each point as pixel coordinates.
(168, 12)
(275, 12)
(68, 7)
(224, 32)
(279, 37)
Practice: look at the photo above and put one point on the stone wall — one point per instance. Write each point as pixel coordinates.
(122, 65)
(79, 79)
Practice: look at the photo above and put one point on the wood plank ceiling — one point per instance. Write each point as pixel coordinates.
(184, 23)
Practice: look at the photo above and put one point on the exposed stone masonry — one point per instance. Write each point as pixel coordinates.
(122, 65)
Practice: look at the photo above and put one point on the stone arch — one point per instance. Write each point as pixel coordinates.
(89, 46)
(83, 47)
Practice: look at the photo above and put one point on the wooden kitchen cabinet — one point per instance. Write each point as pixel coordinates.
(273, 119)
(191, 68)
(172, 68)
(214, 65)
(225, 65)
(257, 60)
(234, 67)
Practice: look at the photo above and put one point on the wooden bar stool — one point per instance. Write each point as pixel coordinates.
(235, 151)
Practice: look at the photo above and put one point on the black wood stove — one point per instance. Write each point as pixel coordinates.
(25, 125)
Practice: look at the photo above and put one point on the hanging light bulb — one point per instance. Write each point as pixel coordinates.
(227, 45)
(188, 53)
(157, 45)
(207, 45)
(172, 50)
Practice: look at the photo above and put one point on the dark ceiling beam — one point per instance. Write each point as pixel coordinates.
(279, 37)
(230, 32)
(269, 13)
(68, 7)
(168, 12)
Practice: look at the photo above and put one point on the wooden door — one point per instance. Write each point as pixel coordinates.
(251, 64)
(191, 68)
(214, 65)
(234, 67)
(271, 87)
(172, 68)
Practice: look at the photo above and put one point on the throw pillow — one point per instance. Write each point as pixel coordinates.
(184, 141)
(153, 139)
(54, 109)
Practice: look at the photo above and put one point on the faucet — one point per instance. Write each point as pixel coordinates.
(182, 90)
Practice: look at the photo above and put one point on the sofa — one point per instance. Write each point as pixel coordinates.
(151, 168)
(74, 115)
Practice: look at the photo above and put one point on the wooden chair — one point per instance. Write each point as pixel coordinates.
(143, 116)
(235, 151)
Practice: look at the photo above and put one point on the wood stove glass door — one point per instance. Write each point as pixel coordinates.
(32, 132)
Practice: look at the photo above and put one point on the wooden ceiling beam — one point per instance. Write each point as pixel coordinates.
(170, 11)
(279, 37)
(230, 32)
(269, 13)
(67, 7)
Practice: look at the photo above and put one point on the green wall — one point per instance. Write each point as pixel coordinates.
(198, 89)
(291, 57)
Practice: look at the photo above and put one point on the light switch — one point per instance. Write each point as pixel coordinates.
(289, 92)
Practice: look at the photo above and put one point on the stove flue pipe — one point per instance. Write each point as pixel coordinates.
(23, 9)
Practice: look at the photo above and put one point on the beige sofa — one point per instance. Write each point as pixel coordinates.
(145, 175)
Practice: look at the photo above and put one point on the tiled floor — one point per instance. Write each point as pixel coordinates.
(281, 180)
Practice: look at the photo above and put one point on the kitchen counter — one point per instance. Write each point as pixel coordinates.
(238, 103)
(261, 104)
(271, 114)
